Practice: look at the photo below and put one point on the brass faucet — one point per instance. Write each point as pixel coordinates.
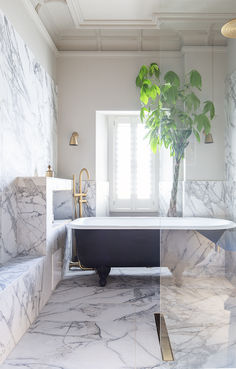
(81, 200)
(79, 195)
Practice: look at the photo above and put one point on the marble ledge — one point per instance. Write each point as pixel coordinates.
(16, 268)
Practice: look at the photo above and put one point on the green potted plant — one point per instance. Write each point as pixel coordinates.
(172, 112)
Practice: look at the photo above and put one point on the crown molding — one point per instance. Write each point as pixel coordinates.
(120, 54)
(204, 49)
(195, 16)
(81, 22)
(39, 24)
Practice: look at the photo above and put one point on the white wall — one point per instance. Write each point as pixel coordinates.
(88, 83)
(206, 162)
(107, 82)
(20, 15)
(101, 147)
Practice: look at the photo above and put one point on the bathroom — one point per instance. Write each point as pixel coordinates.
(98, 270)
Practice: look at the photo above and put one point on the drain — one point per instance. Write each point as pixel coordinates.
(166, 350)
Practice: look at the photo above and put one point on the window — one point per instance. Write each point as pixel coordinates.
(132, 166)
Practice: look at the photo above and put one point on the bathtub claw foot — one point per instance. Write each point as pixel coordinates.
(103, 273)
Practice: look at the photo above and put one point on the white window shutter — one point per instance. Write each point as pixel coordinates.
(133, 167)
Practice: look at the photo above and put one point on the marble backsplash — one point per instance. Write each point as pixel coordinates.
(204, 199)
(64, 205)
(97, 201)
(28, 117)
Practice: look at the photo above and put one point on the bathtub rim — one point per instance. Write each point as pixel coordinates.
(161, 223)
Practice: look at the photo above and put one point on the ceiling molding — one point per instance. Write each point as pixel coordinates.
(195, 16)
(39, 24)
(81, 22)
(204, 49)
(120, 54)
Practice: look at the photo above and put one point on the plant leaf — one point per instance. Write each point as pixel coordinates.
(147, 83)
(153, 144)
(138, 82)
(195, 79)
(142, 113)
(171, 95)
(172, 78)
(209, 107)
(154, 69)
(143, 96)
(203, 123)
(196, 134)
(192, 102)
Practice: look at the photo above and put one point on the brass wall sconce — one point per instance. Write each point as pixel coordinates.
(74, 139)
(229, 29)
(208, 139)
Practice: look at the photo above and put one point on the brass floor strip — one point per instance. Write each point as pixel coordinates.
(166, 350)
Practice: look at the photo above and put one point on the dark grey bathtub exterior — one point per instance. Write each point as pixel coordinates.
(104, 249)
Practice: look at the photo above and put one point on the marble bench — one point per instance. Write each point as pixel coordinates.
(20, 299)
(27, 280)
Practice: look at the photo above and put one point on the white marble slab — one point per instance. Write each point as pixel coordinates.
(28, 134)
(230, 137)
(204, 199)
(86, 321)
(20, 299)
(114, 327)
(229, 241)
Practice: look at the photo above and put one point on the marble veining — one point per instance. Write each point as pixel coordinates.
(230, 137)
(229, 239)
(27, 281)
(184, 250)
(64, 206)
(14, 269)
(204, 198)
(28, 116)
(84, 321)
(32, 216)
(21, 282)
(114, 327)
(89, 208)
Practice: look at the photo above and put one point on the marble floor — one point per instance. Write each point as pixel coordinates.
(88, 327)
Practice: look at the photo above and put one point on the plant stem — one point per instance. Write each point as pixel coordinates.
(172, 212)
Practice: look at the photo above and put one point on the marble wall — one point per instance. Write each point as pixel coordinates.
(230, 152)
(28, 117)
(27, 281)
(204, 199)
(97, 201)
(195, 198)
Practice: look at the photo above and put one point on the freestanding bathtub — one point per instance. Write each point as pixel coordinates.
(106, 242)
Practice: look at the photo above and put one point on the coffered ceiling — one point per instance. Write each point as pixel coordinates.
(133, 25)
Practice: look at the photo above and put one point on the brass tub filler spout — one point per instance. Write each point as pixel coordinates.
(79, 198)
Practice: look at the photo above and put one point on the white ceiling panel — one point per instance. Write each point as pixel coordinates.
(116, 25)
(111, 44)
(118, 10)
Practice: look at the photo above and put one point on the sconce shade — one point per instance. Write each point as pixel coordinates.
(74, 139)
(209, 139)
(229, 29)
